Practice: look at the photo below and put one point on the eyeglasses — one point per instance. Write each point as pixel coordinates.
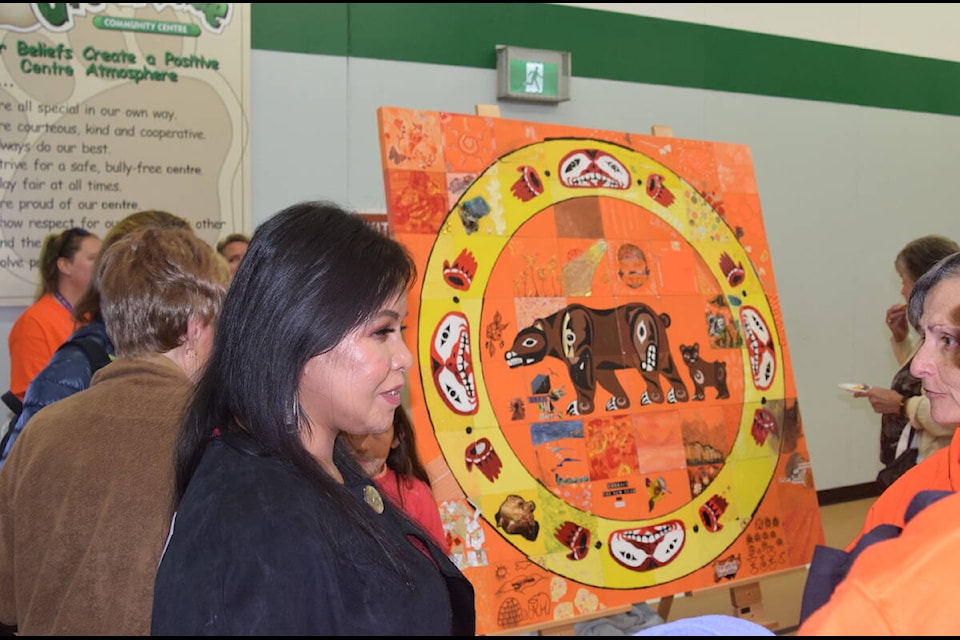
(67, 237)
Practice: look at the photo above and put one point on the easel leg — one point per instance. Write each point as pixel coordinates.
(747, 603)
(663, 607)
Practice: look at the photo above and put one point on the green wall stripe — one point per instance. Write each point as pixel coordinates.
(299, 28)
(613, 46)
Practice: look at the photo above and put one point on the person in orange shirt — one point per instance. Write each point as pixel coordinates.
(66, 265)
(902, 584)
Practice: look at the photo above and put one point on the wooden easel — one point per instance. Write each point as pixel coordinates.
(746, 599)
(488, 110)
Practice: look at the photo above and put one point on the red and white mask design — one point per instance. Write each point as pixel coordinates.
(451, 364)
(592, 169)
(763, 358)
(648, 548)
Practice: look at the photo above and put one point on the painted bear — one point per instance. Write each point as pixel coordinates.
(592, 342)
(704, 373)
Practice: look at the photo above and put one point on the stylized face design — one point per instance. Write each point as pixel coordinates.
(937, 360)
(647, 335)
(763, 359)
(633, 271)
(451, 364)
(355, 387)
(647, 548)
(592, 168)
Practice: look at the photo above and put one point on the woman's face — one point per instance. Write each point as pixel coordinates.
(633, 271)
(355, 387)
(79, 270)
(233, 253)
(937, 361)
(906, 283)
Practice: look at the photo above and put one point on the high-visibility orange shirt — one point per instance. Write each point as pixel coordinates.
(939, 472)
(37, 333)
(903, 586)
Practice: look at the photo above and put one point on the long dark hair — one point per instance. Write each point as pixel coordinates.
(403, 458)
(312, 273)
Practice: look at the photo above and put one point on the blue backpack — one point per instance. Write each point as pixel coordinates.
(98, 358)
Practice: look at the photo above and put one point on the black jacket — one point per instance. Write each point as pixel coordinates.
(250, 553)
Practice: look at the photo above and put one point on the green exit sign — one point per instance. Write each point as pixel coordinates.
(533, 75)
(534, 78)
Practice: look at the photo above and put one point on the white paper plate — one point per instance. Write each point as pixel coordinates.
(853, 386)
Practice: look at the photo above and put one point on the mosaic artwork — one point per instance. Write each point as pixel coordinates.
(603, 393)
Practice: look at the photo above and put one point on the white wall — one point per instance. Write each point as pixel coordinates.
(842, 187)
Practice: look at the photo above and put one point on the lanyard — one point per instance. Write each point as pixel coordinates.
(63, 301)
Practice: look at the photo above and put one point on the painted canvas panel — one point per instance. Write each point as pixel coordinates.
(603, 392)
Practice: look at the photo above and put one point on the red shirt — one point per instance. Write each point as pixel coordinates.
(417, 501)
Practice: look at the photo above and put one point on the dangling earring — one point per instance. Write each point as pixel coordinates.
(192, 364)
(293, 424)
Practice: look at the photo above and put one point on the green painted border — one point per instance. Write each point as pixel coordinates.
(613, 46)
